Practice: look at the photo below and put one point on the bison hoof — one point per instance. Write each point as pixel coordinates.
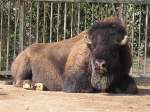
(28, 84)
(39, 86)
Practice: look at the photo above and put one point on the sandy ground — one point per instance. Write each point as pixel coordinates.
(19, 100)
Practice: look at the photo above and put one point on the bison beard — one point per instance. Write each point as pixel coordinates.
(99, 77)
(95, 60)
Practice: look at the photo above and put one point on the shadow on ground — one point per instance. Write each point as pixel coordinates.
(144, 91)
(3, 94)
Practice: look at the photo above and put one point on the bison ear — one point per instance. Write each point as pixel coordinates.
(125, 40)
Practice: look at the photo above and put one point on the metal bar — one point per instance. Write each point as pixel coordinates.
(92, 13)
(71, 25)
(103, 1)
(58, 22)
(146, 36)
(15, 35)
(121, 14)
(139, 40)
(126, 17)
(78, 29)
(1, 34)
(114, 9)
(132, 36)
(37, 23)
(21, 29)
(44, 21)
(65, 20)
(30, 21)
(85, 22)
(8, 36)
(106, 10)
(100, 11)
(51, 21)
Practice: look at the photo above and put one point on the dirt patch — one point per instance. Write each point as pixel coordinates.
(20, 100)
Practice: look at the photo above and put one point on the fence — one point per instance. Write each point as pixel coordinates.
(23, 22)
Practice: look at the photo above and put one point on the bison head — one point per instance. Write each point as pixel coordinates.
(104, 40)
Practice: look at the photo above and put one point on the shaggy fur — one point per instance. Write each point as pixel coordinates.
(92, 61)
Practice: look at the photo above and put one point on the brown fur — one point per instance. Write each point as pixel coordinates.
(43, 57)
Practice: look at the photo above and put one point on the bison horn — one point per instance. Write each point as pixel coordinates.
(125, 40)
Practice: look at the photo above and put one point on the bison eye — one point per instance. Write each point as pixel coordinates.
(89, 45)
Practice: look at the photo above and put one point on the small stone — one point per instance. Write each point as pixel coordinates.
(27, 108)
(147, 104)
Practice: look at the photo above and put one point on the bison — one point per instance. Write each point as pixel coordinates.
(96, 60)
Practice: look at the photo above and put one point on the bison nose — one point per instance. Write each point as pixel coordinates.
(103, 64)
(100, 64)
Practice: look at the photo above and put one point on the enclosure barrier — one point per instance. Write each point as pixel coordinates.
(23, 22)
